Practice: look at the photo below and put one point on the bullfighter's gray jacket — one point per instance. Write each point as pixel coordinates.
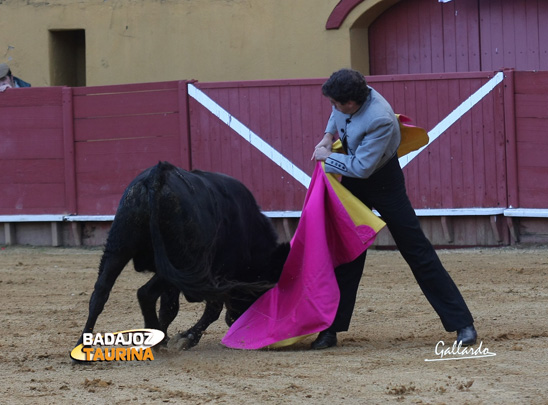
(371, 135)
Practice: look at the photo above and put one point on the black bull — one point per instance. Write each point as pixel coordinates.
(202, 234)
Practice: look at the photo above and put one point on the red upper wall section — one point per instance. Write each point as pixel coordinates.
(425, 36)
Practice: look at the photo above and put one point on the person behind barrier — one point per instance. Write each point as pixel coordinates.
(8, 81)
(369, 131)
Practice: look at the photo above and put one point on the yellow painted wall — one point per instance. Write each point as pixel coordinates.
(132, 41)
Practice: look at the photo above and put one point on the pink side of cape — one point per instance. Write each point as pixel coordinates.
(306, 298)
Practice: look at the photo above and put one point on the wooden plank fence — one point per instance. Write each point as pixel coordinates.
(70, 152)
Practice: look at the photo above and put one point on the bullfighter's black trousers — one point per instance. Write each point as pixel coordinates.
(385, 191)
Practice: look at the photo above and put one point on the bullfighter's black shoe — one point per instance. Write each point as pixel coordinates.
(467, 336)
(324, 340)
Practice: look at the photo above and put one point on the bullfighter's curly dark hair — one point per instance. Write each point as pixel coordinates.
(346, 85)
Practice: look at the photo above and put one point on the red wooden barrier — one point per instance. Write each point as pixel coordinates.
(73, 151)
(531, 92)
(32, 179)
(121, 130)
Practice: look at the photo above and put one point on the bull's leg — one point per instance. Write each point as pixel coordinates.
(169, 305)
(147, 296)
(110, 268)
(191, 337)
(235, 307)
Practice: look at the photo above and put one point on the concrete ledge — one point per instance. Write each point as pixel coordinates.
(288, 221)
(10, 221)
(451, 212)
(445, 215)
(32, 218)
(283, 214)
(512, 217)
(526, 212)
(88, 218)
(434, 212)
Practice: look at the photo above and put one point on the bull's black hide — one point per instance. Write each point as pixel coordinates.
(202, 234)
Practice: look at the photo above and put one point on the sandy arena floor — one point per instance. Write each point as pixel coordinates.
(44, 295)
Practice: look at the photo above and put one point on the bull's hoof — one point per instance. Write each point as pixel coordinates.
(183, 341)
(229, 319)
(162, 346)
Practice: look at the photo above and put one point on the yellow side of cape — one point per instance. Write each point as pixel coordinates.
(412, 138)
(358, 211)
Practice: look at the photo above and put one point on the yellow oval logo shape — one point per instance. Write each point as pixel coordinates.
(137, 338)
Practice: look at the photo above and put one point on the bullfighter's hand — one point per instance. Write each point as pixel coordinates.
(321, 153)
(323, 148)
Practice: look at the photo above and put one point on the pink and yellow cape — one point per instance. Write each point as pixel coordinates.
(335, 228)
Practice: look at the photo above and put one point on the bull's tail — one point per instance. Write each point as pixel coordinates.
(188, 280)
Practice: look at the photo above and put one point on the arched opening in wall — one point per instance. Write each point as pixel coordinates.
(359, 35)
(67, 50)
